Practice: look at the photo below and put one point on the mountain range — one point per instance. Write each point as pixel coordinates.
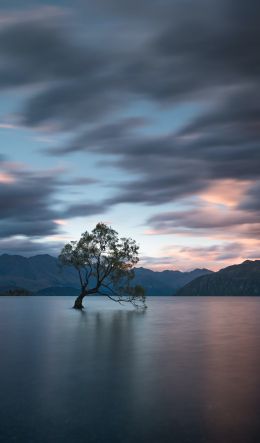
(42, 275)
(236, 280)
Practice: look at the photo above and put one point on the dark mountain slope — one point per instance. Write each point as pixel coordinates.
(35, 273)
(236, 280)
(165, 282)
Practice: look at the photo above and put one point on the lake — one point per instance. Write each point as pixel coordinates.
(185, 370)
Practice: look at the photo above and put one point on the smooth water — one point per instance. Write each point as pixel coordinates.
(186, 370)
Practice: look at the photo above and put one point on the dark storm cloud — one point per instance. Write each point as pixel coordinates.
(207, 47)
(74, 85)
(34, 228)
(84, 210)
(26, 205)
(201, 218)
(154, 160)
(208, 220)
(175, 165)
(79, 181)
(165, 189)
(71, 104)
(29, 204)
(191, 52)
(44, 53)
(205, 58)
(110, 138)
(238, 107)
(251, 200)
(186, 168)
(27, 247)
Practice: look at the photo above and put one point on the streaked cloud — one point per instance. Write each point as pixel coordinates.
(97, 76)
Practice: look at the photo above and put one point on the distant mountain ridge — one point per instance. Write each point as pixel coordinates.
(235, 280)
(35, 273)
(42, 274)
(166, 282)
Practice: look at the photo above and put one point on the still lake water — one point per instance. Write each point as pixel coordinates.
(186, 370)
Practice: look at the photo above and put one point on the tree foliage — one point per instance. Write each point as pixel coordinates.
(105, 265)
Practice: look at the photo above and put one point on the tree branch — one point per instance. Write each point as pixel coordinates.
(80, 277)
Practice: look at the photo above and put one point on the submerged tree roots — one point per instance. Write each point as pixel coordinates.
(78, 303)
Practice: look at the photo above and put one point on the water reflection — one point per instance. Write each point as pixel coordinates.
(231, 379)
(182, 371)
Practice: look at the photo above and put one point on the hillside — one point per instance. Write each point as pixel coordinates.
(43, 275)
(236, 280)
(165, 282)
(35, 273)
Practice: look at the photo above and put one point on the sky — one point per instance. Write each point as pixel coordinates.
(141, 114)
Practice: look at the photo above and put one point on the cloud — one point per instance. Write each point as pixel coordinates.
(78, 181)
(216, 256)
(157, 263)
(16, 16)
(6, 178)
(26, 203)
(168, 167)
(226, 192)
(25, 246)
(211, 221)
(206, 55)
(104, 138)
(217, 252)
(208, 217)
(250, 201)
(186, 53)
(84, 210)
(69, 77)
(29, 201)
(211, 47)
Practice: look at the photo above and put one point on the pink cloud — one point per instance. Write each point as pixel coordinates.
(6, 178)
(215, 256)
(60, 222)
(227, 192)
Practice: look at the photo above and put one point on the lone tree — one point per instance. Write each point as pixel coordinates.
(104, 263)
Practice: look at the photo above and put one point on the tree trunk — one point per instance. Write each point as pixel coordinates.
(78, 302)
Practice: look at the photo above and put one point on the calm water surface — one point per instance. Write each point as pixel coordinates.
(186, 370)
